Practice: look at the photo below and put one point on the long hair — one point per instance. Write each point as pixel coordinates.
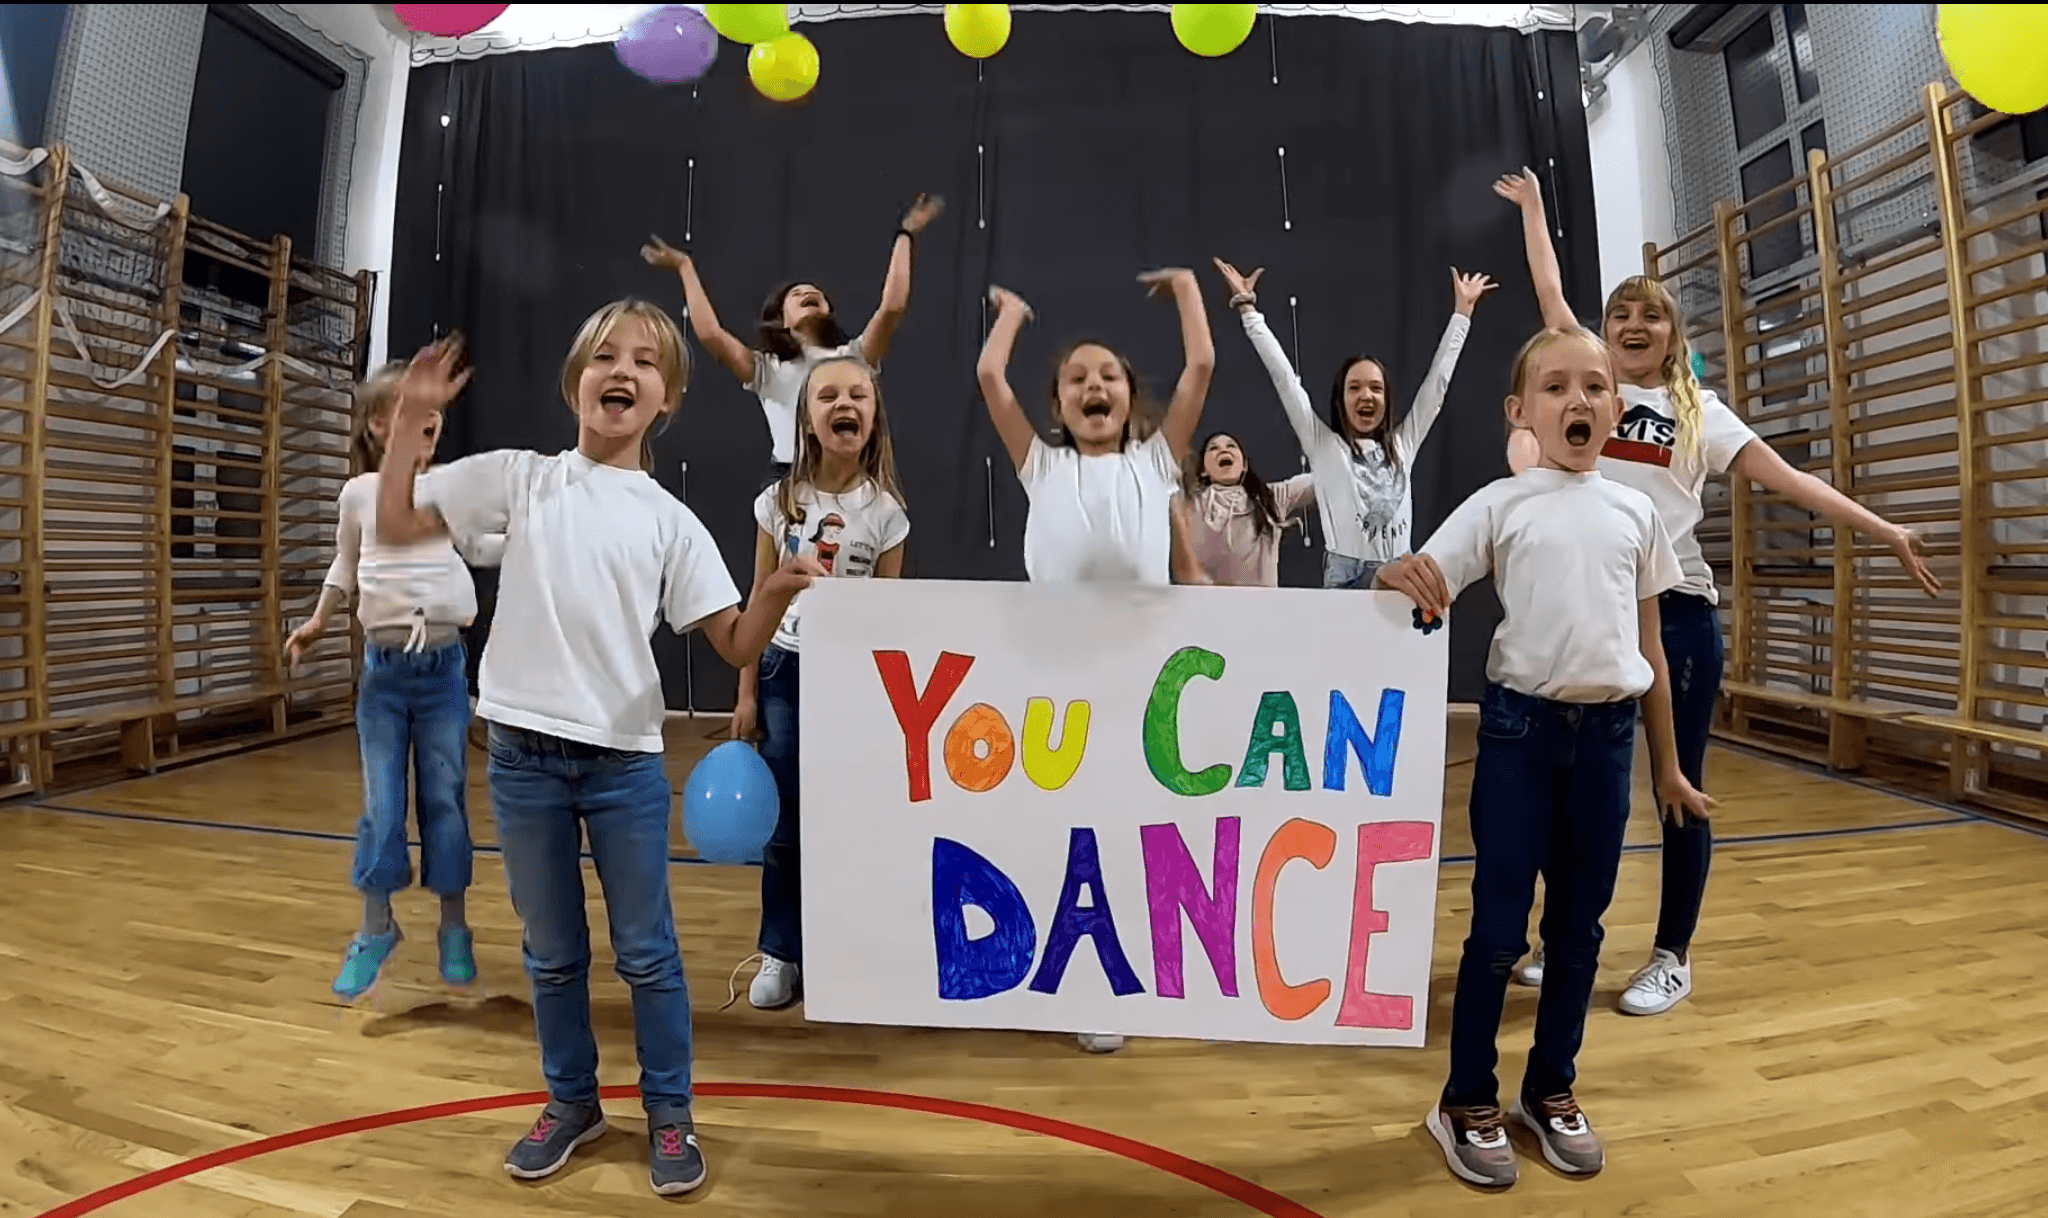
(776, 338)
(1340, 418)
(1677, 372)
(1265, 513)
(1143, 419)
(672, 356)
(877, 456)
(375, 396)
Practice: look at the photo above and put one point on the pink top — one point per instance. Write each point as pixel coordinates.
(1225, 539)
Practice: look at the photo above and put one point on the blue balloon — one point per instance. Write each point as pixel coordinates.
(730, 805)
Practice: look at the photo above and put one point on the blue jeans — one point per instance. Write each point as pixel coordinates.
(782, 909)
(1550, 791)
(1693, 652)
(413, 707)
(1344, 571)
(549, 793)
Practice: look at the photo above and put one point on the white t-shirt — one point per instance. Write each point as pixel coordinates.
(779, 382)
(1571, 556)
(1367, 502)
(1103, 519)
(1639, 454)
(595, 558)
(846, 533)
(393, 583)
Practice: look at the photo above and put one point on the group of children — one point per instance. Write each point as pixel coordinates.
(1608, 606)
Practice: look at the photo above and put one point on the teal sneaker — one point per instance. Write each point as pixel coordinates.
(365, 959)
(458, 956)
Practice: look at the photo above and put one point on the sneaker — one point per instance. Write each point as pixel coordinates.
(1658, 986)
(1530, 971)
(775, 985)
(553, 1138)
(364, 960)
(1475, 1144)
(458, 956)
(1567, 1137)
(675, 1164)
(1100, 1042)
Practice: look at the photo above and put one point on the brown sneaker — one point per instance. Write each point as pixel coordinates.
(1567, 1136)
(1475, 1144)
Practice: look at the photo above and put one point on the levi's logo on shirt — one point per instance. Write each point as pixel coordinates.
(1644, 436)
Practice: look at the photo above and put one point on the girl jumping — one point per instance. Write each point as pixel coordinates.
(573, 698)
(1234, 518)
(842, 506)
(1102, 492)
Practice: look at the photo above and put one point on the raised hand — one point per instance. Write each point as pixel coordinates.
(1912, 552)
(1520, 189)
(1240, 284)
(1006, 301)
(923, 212)
(1166, 280)
(1469, 288)
(660, 253)
(430, 382)
(1678, 801)
(1421, 580)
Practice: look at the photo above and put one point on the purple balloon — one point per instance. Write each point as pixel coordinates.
(669, 46)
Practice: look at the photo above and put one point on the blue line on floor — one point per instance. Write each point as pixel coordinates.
(1804, 766)
(315, 835)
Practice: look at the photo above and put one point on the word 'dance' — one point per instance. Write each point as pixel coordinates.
(979, 749)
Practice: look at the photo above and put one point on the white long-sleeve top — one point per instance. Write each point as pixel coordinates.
(394, 584)
(1366, 502)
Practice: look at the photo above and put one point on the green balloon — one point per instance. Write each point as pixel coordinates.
(749, 23)
(1213, 29)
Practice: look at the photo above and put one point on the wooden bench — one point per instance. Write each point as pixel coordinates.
(140, 725)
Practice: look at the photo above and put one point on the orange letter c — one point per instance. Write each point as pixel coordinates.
(1297, 839)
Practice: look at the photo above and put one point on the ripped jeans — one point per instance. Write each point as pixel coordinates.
(1693, 652)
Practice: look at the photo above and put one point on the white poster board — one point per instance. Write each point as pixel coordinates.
(1192, 812)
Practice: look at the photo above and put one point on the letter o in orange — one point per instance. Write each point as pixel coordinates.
(979, 749)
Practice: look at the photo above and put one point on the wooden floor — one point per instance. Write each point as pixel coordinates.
(1869, 1036)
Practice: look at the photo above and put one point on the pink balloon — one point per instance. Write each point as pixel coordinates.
(447, 20)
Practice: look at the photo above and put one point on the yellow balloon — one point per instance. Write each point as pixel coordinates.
(752, 23)
(978, 30)
(785, 69)
(1213, 29)
(1998, 52)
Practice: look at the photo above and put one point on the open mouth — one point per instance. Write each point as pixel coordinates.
(616, 399)
(846, 425)
(1226, 463)
(1578, 434)
(1635, 342)
(1095, 410)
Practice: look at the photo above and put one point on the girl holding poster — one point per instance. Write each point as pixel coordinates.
(1102, 492)
(1550, 789)
(841, 505)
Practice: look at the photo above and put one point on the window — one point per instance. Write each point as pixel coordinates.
(30, 37)
(1755, 95)
(1782, 246)
(1805, 81)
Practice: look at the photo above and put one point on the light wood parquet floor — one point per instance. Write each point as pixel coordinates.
(1867, 1037)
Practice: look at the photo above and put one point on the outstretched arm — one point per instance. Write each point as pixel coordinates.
(429, 384)
(1761, 464)
(1184, 412)
(992, 371)
(1436, 386)
(1309, 430)
(881, 328)
(1522, 190)
(734, 355)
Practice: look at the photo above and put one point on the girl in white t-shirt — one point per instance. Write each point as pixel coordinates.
(797, 329)
(412, 700)
(1672, 434)
(1579, 562)
(842, 506)
(596, 554)
(1102, 493)
(1361, 460)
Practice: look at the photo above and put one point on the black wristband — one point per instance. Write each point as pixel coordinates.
(904, 232)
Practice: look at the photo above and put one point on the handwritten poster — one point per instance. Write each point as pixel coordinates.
(1191, 812)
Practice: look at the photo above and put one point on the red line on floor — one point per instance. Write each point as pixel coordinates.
(1215, 1179)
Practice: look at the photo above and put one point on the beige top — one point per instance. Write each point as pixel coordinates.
(1225, 535)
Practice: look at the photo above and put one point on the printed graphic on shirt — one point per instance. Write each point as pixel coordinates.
(1644, 437)
(1382, 489)
(826, 543)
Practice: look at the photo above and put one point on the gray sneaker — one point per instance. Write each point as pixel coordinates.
(674, 1162)
(1567, 1136)
(1475, 1144)
(553, 1138)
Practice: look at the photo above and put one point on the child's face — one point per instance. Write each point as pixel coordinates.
(1365, 396)
(801, 304)
(1223, 462)
(622, 392)
(1095, 396)
(1639, 331)
(842, 409)
(380, 427)
(1568, 403)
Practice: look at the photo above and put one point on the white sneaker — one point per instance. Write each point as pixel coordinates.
(1530, 971)
(1658, 986)
(774, 986)
(1100, 1042)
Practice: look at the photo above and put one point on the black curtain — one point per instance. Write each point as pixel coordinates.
(1090, 149)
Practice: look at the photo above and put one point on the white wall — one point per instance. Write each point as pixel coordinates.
(1631, 168)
